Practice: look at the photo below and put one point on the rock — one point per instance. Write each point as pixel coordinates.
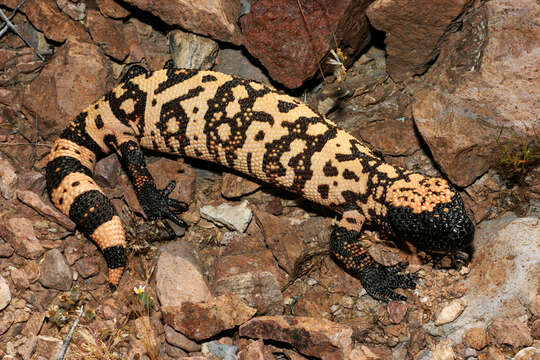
(310, 336)
(179, 277)
(535, 329)
(477, 338)
(213, 18)
(254, 351)
(414, 27)
(275, 33)
(77, 75)
(27, 348)
(54, 271)
(510, 332)
(22, 237)
(464, 103)
(109, 34)
(33, 200)
(235, 62)
(528, 353)
(6, 250)
(76, 11)
(443, 351)
(107, 171)
(5, 293)
(450, 312)
(192, 51)
(535, 306)
(48, 346)
(251, 273)
(234, 186)
(281, 238)
(396, 311)
(179, 340)
(503, 277)
(87, 267)
(34, 324)
(484, 193)
(19, 278)
(8, 178)
(6, 320)
(234, 217)
(112, 9)
(221, 351)
(199, 321)
(46, 17)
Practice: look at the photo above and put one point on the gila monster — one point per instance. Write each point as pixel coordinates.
(250, 127)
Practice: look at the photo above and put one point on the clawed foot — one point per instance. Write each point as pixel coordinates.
(380, 281)
(159, 205)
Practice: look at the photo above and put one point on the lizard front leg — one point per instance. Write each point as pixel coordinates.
(378, 280)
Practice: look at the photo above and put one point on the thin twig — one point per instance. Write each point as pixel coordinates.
(5, 26)
(16, 31)
(65, 344)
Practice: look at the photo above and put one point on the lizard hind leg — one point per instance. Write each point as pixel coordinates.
(378, 280)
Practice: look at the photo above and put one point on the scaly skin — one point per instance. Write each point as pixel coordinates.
(256, 130)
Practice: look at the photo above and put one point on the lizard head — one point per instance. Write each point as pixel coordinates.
(429, 213)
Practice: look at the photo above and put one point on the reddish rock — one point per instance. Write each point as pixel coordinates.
(34, 324)
(87, 267)
(179, 340)
(76, 76)
(214, 18)
(48, 346)
(108, 34)
(396, 311)
(112, 9)
(310, 336)
(46, 17)
(282, 238)
(6, 320)
(22, 238)
(19, 278)
(254, 351)
(275, 33)
(33, 200)
(510, 332)
(484, 193)
(179, 277)
(107, 171)
(252, 273)
(199, 321)
(477, 338)
(234, 186)
(75, 10)
(481, 85)
(414, 31)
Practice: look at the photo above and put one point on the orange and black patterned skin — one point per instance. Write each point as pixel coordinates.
(256, 130)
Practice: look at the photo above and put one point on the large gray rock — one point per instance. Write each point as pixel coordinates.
(503, 281)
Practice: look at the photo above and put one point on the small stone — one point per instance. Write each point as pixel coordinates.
(87, 267)
(310, 336)
(6, 250)
(6, 319)
(27, 348)
(529, 353)
(234, 186)
(19, 278)
(451, 312)
(235, 217)
(192, 51)
(199, 321)
(443, 351)
(112, 9)
(179, 277)
(102, 30)
(477, 338)
(5, 293)
(535, 329)
(396, 311)
(55, 272)
(222, 351)
(34, 324)
(24, 239)
(33, 200)
(178, 339)
(510, 332)
(76, 11)
(48, 346)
